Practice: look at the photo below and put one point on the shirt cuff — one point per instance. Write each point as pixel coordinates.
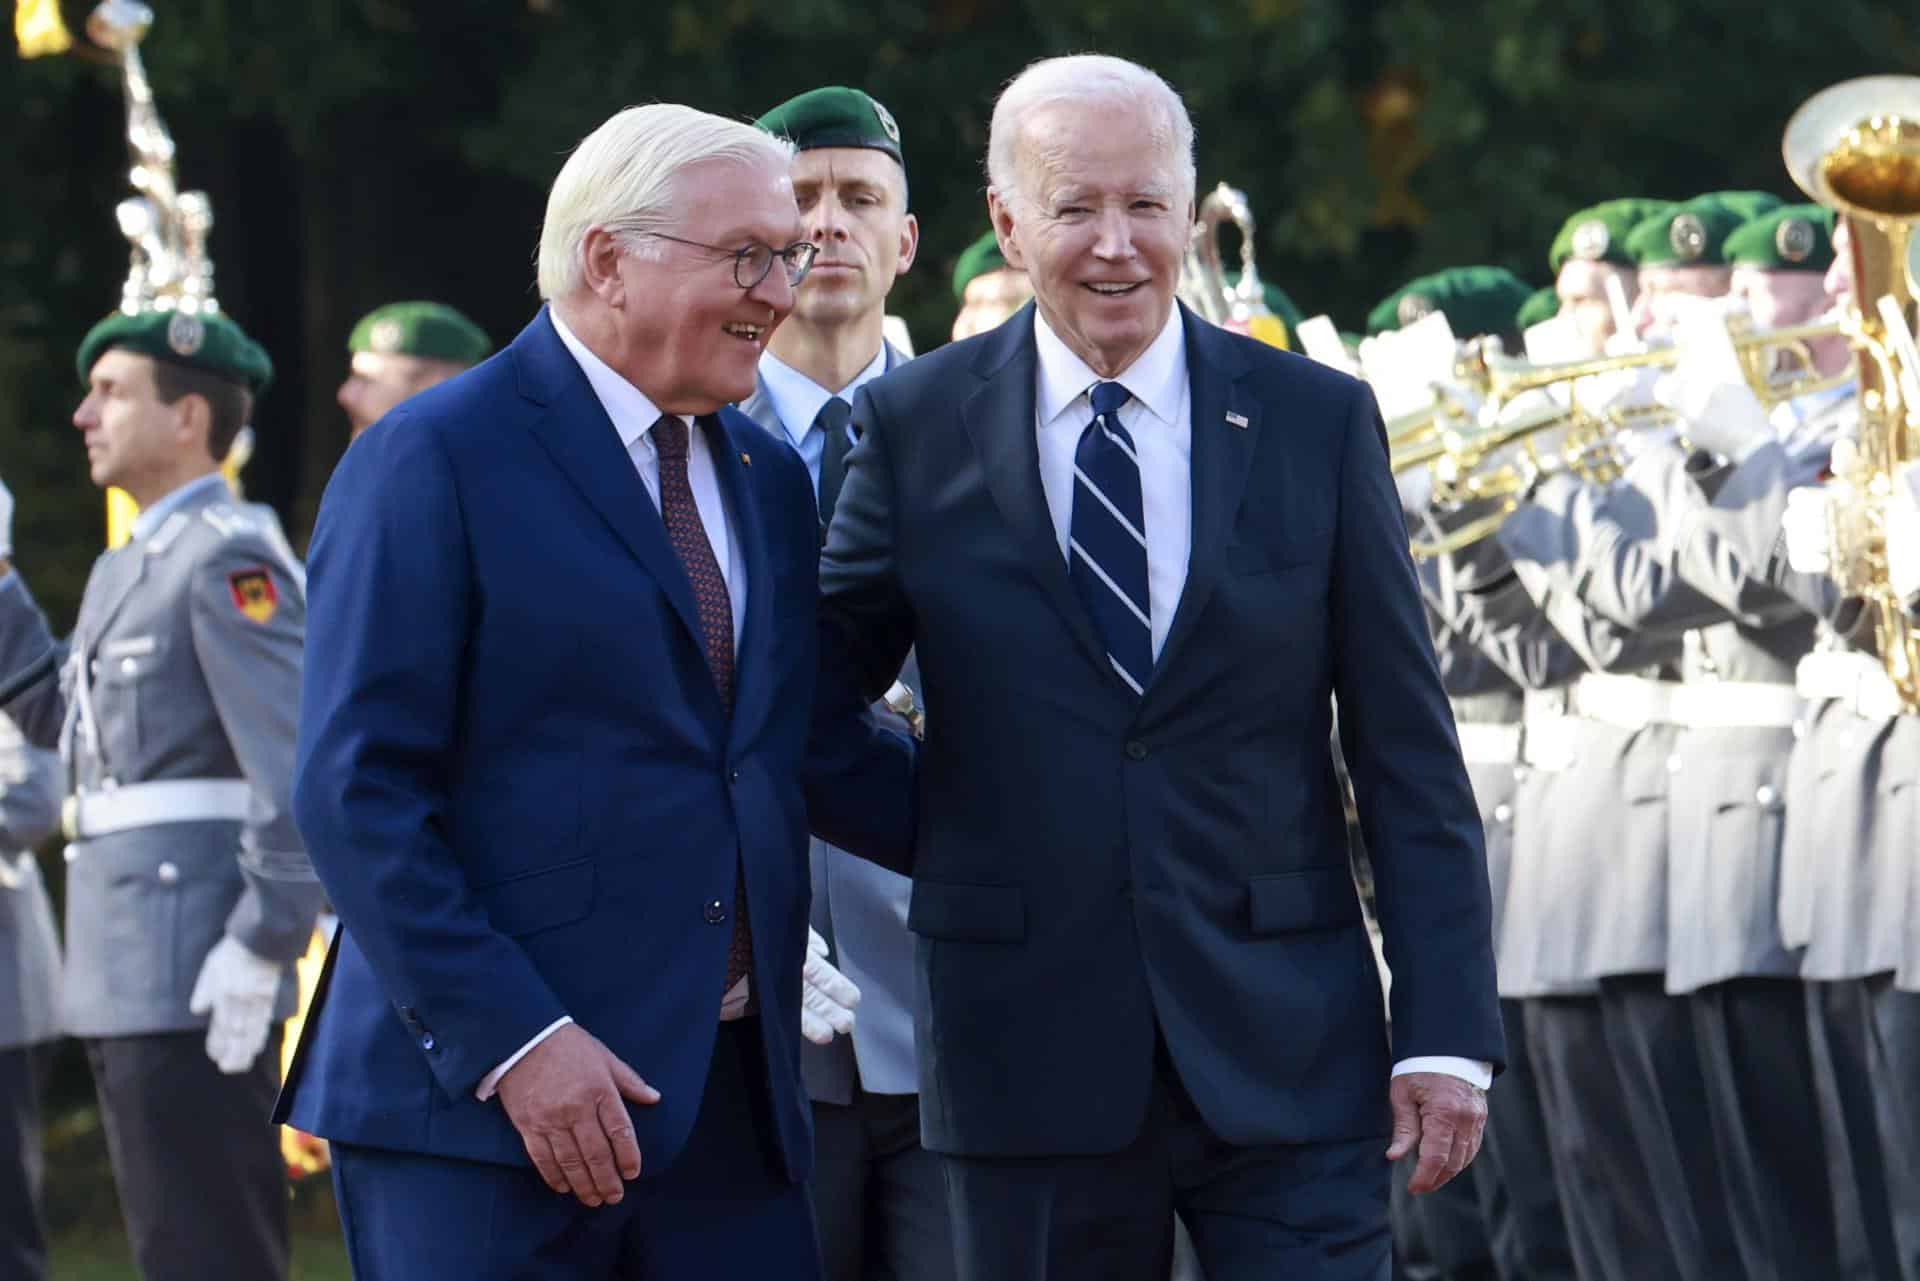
(1475, 1072)
(491, 1081)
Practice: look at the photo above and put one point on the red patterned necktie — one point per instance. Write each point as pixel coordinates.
(688, 534)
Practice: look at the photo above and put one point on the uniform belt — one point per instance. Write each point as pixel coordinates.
(1486, 743)
(1625, 702)
(1736, 705)
(174, 800)
(1547, 738)
(1852, 678)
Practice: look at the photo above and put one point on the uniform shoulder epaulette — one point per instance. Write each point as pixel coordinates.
(228, 519)
(169, 532)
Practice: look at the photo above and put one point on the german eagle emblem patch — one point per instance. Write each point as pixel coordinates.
(253, 593)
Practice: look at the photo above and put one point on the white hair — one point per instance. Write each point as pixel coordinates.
(1087, 79)
(621, 178)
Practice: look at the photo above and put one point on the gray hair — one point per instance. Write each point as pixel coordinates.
(1085, 79)
(621, 178)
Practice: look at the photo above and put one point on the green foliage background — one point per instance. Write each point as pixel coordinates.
(358, 151)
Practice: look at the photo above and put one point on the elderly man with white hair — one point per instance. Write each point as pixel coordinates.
(561, 645)
(1139, 557)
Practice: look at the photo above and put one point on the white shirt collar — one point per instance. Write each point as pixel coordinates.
(1155, 378)
(150, 517)
(797, 399)
(632, 413)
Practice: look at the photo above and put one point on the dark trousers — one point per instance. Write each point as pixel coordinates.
(1311, 1212)
(1442, 1235)
(1525, 1225)
(202, 1183)
(723, 1209)
(1894, 1064)
(1839, 1042)
(1613, 1223)
(879, 1198)
(1650, 1038)
(23, 1165)
(1752, 1036)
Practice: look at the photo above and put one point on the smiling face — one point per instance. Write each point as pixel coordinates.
(685, 333)
(853, 204)
(1099, 223)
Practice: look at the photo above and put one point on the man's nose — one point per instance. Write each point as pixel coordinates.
(1115, 239)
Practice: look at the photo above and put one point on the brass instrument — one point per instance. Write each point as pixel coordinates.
(1242, 305)
(1855, 146)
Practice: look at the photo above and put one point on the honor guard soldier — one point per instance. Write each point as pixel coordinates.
(987, 290)
(189, 894)
(402, 349)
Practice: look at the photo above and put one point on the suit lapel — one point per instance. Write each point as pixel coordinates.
(750, 665)
(1222, 455)
(580, 438)
(1000, 419)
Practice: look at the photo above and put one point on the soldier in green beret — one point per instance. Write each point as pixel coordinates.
(1475, 300)
(879, 1198)
(1681, 254)
(402, 349)
(1542, 305)
(987, 289)
(1590, 265)
(1781, 262)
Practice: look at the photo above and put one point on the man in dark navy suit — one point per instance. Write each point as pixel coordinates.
(1140, 557)
(563, 651)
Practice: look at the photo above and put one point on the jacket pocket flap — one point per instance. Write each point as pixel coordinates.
(1315, 898)
(540, 900)
(968, 913)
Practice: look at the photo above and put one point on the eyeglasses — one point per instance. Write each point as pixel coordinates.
(751, 264)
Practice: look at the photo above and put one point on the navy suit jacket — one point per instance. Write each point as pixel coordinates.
(1088, 863)
(522, 790)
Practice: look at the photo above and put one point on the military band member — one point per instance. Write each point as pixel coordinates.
(1542, 305)
(189, 893)
(29, 987)
(402, 349)
(987, 289)
(1681, 254)
(1590, 250)
(879, 1198)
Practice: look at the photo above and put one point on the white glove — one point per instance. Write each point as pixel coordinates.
(6, 522)
(1903, 532)
(1708, 388)
(827, 996)
(237, 988)
(1808, 528)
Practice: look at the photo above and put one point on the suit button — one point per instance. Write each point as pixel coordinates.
(427, 1042)
(733, 776)
(168, 873)
(716, 912)
(1136, 750)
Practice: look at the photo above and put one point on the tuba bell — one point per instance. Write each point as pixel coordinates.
(1239, 305)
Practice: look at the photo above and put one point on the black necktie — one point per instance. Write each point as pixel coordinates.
(832, 419)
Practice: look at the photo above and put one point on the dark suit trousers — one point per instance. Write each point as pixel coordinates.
(1839, 1039)
(1894, 1062)
(23, 1165)
(202, 1183)
(1613, 1223)
(1650, 1037)
(1313, 1212)
(1752, 1035)
(880, 1199)
(1525, 1224)
(723, 1210)
(1442, 1235)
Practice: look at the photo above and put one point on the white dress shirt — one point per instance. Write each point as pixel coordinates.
(797, 401)
(633, 417)
(1159, 418)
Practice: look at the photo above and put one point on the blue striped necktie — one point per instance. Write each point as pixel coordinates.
(1107, 538)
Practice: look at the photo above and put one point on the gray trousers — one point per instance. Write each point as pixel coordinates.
(202, 1183)
(879, 1198)
(23, 1165)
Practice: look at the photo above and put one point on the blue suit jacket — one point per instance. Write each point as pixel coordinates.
(1090, 864)
(524, 794)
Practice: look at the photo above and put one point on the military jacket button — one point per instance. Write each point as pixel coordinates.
(1764, 795)
(1503, 813)
(168, 873)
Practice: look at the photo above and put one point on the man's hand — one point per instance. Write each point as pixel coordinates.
(827, 997)
(1444, 1116)
(236, 988)
(564, 1098)
(1807, 526)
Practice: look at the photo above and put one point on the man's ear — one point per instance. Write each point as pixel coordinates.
(1001, 212)
(193, 422)
(600, 254)
(909, 242)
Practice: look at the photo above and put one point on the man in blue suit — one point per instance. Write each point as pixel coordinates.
(550, 745)
(1139, 558)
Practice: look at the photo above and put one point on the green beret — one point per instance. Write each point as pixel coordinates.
(1791, 238)
(430, 329)
(1749, 204)
(835, 117)
(210, 343)
(981, 257)
(1599, 233)
(1475, 300)
(1693, 234)
(1542, 304)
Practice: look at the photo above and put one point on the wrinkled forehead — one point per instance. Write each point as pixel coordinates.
(1100, 145)
(731, 202)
